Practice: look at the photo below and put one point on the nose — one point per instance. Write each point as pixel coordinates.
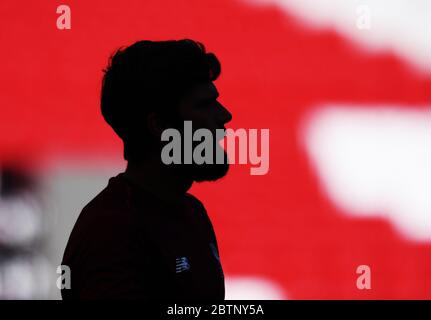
(225, 115)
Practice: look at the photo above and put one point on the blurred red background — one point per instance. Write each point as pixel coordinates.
(275, 71)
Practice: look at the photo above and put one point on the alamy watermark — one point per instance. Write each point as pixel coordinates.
(364, 279)
(252, 146)
(363, 19)
(64, 19)
(64, 279)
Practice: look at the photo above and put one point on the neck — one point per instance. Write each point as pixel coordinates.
(157, 178)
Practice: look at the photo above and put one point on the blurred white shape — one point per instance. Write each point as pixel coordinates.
(375, 160)
(252, 288)
(20, 220)
(17, 280)
(399, 25)
(25, 277)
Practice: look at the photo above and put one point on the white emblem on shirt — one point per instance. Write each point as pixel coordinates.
(182, 264)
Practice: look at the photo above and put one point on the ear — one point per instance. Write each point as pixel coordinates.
(155, 125)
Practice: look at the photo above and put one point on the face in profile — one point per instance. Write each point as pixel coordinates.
(201, 107)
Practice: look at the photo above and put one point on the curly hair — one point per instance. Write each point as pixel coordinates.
(151, 76)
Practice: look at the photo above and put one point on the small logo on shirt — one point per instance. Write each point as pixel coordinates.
(182, 264)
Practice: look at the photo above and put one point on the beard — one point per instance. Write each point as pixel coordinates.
(207, 171)
(210, 167)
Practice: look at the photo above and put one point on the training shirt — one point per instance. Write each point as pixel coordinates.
(129, 244)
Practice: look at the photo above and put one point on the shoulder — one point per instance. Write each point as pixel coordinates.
(107, 221)
(111, 208)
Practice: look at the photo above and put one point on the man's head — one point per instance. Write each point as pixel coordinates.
(151, 86)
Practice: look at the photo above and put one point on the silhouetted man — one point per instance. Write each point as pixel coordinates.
(144, 236)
